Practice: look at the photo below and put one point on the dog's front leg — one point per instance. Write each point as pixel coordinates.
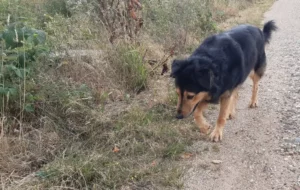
(199, 118)
(217, 133)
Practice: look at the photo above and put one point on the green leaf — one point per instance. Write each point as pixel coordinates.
(11, 57)
(19, 31)
(3, 90)
(15, 69)
(34, 36)
(18, 73)
(29, 108)
(13, 91)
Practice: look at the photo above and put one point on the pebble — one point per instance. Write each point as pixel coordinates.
(292, 168)
(216, 161)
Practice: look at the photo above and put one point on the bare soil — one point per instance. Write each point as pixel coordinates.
(260, 147)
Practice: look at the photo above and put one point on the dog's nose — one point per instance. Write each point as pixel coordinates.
(179, 116)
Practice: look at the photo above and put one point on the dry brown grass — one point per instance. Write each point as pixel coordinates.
(252, 15)
(23, 154)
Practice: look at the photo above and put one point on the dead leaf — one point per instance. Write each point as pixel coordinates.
(186, 155)
(116, 149)
(133, 14)
(165, 69)
(153, 163)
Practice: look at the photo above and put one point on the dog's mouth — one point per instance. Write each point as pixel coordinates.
(181, 116)
(193, 109)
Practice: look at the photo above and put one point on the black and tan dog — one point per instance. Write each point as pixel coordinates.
(213, 73)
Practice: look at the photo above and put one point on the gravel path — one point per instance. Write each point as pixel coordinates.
(261, 147)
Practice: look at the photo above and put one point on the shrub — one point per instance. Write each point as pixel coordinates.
(21, 46)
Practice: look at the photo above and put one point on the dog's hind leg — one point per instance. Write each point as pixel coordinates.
(256, 75)
(255, 78)
(199, 118)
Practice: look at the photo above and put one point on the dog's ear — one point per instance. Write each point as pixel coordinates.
(205, 77)
(204, 74)
(176, 67)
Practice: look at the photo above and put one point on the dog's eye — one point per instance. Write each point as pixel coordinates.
(190, 97)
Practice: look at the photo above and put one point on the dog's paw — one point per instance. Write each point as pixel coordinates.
(216, 135)
(253, 105)
(204, 129)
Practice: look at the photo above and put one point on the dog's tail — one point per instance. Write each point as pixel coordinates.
(269, 27)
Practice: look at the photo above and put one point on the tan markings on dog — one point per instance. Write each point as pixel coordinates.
(225, 101)
(179, 98)
(255, 78)
(190, 100)
(199, 118)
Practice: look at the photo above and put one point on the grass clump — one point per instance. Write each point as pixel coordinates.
(130, 68)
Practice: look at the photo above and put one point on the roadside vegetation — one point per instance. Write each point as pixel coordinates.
(85, 97)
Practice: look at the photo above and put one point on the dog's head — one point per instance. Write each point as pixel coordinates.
(194, 79)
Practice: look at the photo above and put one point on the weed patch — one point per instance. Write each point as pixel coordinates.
(131, 72)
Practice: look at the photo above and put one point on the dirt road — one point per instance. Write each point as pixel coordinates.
(261, 147)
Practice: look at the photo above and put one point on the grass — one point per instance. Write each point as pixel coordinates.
(137, 149)
(98, 119)
(130, 70)
(252, 15)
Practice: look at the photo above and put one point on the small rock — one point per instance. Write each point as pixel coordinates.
(292, 168)
(216, 161)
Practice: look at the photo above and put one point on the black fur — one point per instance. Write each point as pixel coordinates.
(267, 30)
(223, 61)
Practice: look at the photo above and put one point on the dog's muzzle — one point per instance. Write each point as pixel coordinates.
(179, 116)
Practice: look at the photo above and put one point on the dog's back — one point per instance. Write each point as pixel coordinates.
(236, 52)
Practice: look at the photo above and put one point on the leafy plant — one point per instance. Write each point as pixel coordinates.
(20, 48)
